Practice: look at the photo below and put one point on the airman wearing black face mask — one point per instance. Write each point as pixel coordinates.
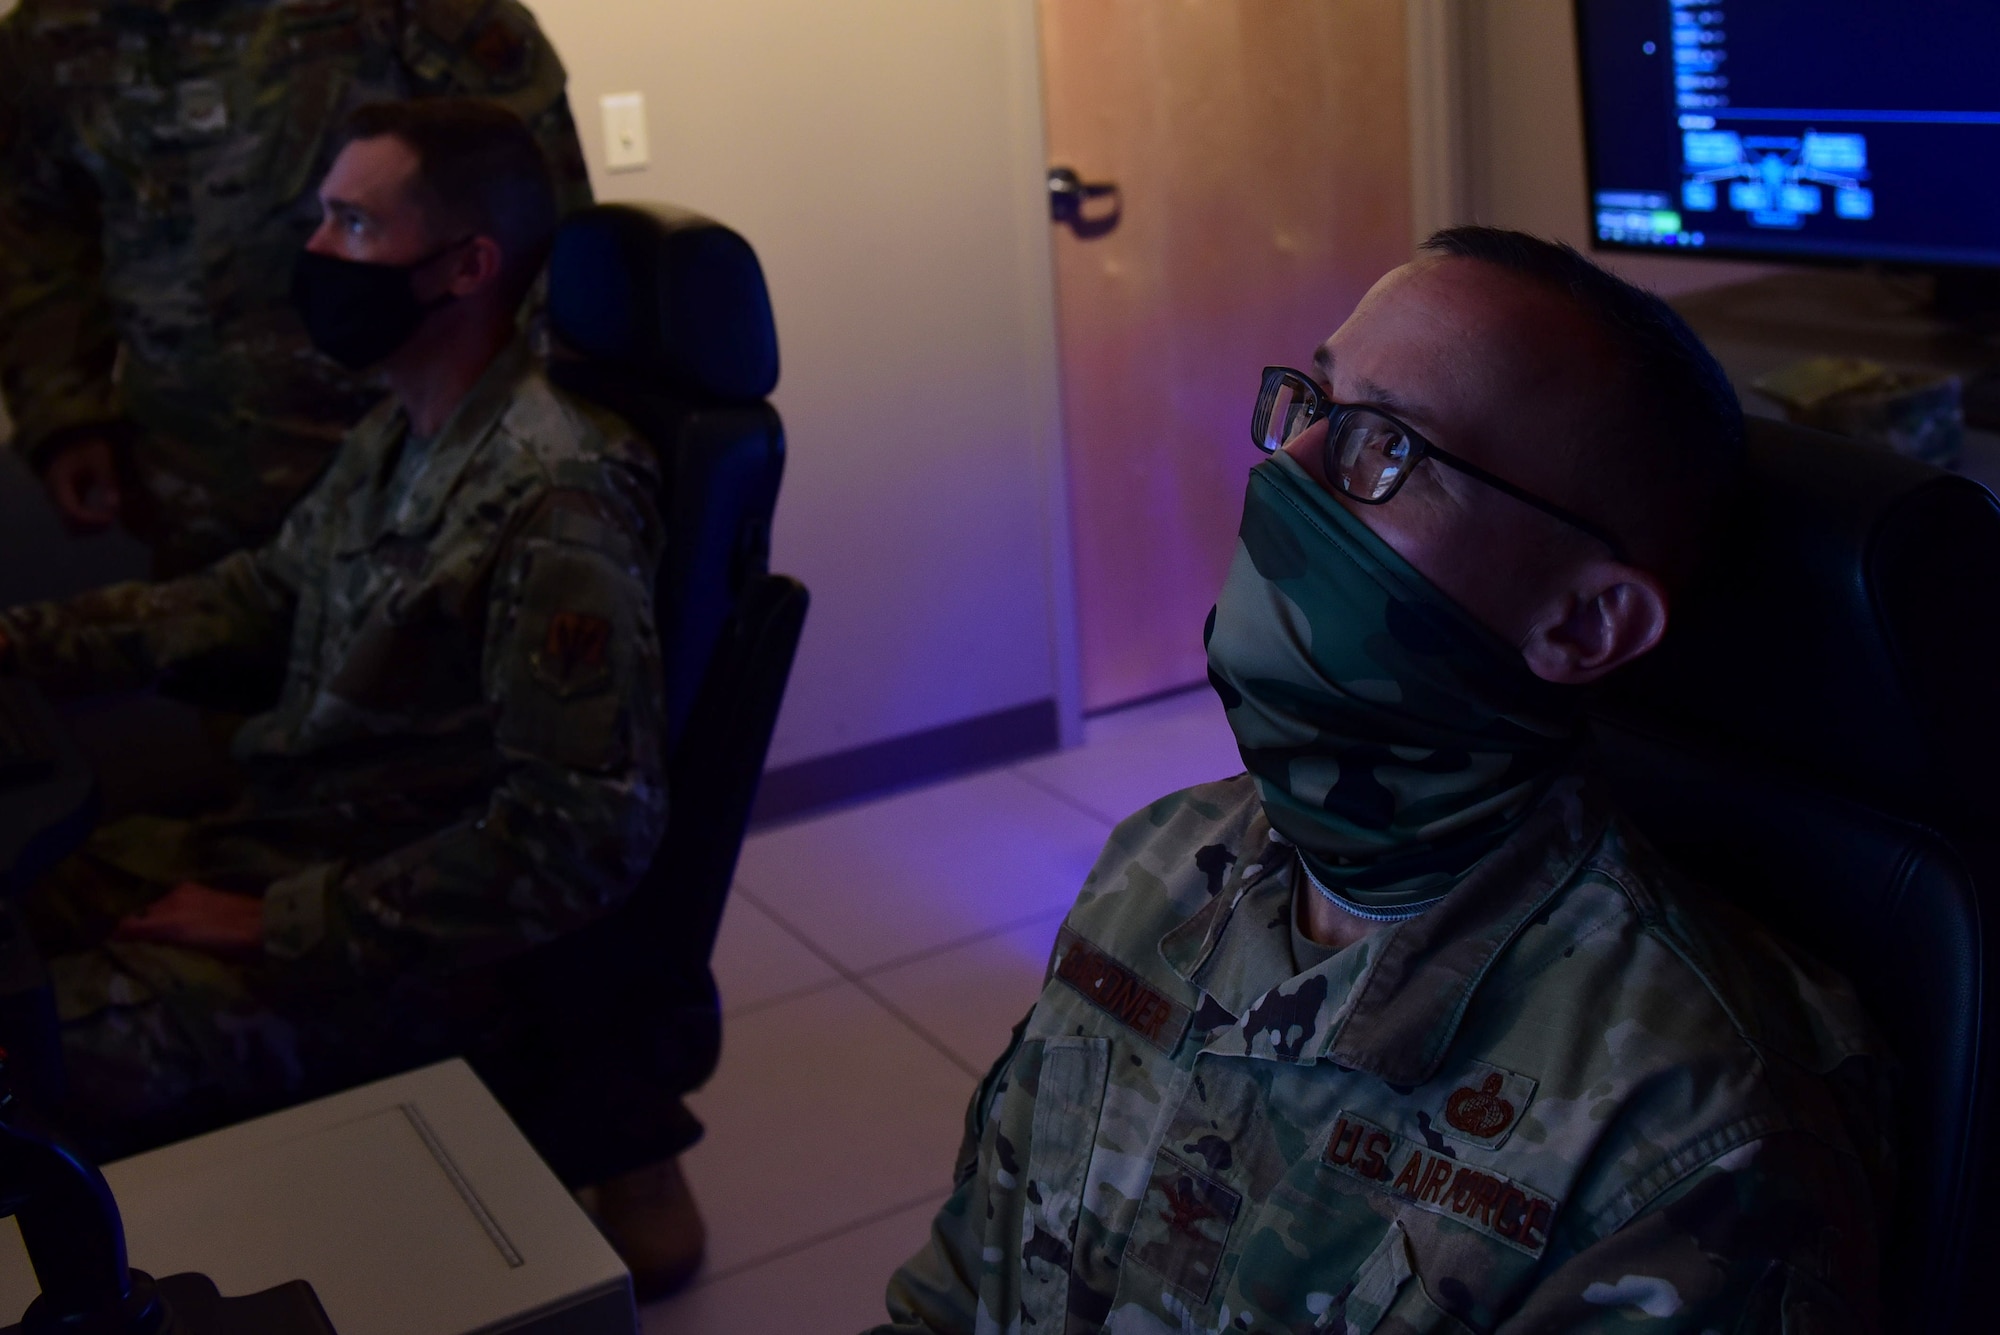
(465, 760)
(359, 312)
(158, 165)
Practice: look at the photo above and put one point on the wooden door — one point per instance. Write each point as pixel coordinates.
(1261, 154)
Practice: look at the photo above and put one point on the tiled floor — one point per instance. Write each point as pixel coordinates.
(871, 963)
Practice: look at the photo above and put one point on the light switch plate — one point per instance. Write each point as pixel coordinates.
(624, 131)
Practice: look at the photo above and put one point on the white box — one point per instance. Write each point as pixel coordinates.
(413, 1206)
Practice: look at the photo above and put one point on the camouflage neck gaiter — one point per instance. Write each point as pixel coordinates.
(1394, 740)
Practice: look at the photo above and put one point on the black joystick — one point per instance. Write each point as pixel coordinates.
(76, 1243)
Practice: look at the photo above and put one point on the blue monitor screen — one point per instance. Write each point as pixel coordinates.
(1802, 129)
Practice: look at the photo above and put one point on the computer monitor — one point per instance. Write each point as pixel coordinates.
(1812, 130)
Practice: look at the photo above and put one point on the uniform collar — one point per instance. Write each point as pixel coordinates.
(468, 428)
(1238, 943)
(1392, 1004)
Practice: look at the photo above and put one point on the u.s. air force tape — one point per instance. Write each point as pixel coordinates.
(1476, 1197)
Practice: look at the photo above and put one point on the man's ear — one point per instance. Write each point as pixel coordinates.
(476, 268)
(1610, 614)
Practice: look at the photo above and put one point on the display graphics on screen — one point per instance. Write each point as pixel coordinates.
(1829, 128)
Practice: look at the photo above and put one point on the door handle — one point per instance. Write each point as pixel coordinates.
(1068, 195)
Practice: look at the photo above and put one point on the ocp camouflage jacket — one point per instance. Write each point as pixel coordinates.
(465, 759)
(158, 167)
(1577, 1095)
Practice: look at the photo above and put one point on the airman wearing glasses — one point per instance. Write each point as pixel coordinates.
(1405, 1029)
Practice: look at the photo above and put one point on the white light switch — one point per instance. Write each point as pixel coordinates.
(624, 131)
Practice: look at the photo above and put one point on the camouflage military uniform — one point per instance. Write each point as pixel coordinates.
(464, 761)
(1575, 1095)
(158, 167)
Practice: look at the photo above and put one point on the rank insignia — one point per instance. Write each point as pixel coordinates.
(1183, 1226)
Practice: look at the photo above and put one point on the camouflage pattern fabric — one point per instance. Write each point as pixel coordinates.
(1394, 739)
(465, 760)
(158, 167)
(160, 1042)
(1578, 1095)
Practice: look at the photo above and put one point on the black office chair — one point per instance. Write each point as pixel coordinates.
(663, 317)
(1819, 738)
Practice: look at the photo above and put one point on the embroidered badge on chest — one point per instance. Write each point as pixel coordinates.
(1120, 993)
(1182, 1230)
(1482, 1112)
(1484, 1105)
(201, 106)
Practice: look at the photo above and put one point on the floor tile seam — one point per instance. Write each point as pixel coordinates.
(799, 935)
(854, 980)
(1074, 803)
(765, 1003)
(942, 1048)
(958, 943)
(827, 1235)
(997, 772)
(855, 973)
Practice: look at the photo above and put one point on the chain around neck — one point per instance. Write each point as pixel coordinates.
(1362, 911)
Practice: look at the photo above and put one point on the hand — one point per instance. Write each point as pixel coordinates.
(82, 478)
(200, 918)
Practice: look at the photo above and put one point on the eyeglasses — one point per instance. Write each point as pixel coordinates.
(1369, 454)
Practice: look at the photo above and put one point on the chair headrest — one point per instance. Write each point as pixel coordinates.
(1846, 625)
(664, 293)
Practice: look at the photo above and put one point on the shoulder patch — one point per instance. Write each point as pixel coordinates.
(576, 653)
(1478, 1198)
(1120, 993)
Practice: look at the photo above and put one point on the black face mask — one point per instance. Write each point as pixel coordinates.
(359, 313)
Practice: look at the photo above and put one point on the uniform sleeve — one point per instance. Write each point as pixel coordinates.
(937, 1290)
(1776, 1235)
(494, 48)
(57, 343)
(234, 617)
(572, 678)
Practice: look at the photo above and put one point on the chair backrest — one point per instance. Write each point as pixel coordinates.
(662, 316)
(1814, 740)
(1847, 626)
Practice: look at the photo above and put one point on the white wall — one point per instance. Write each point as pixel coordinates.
(885, 159)
(1523, 134)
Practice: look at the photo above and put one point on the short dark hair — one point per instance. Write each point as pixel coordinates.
(1678, 434)
(479, 170)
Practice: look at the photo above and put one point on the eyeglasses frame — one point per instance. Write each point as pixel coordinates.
(1320, 407)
